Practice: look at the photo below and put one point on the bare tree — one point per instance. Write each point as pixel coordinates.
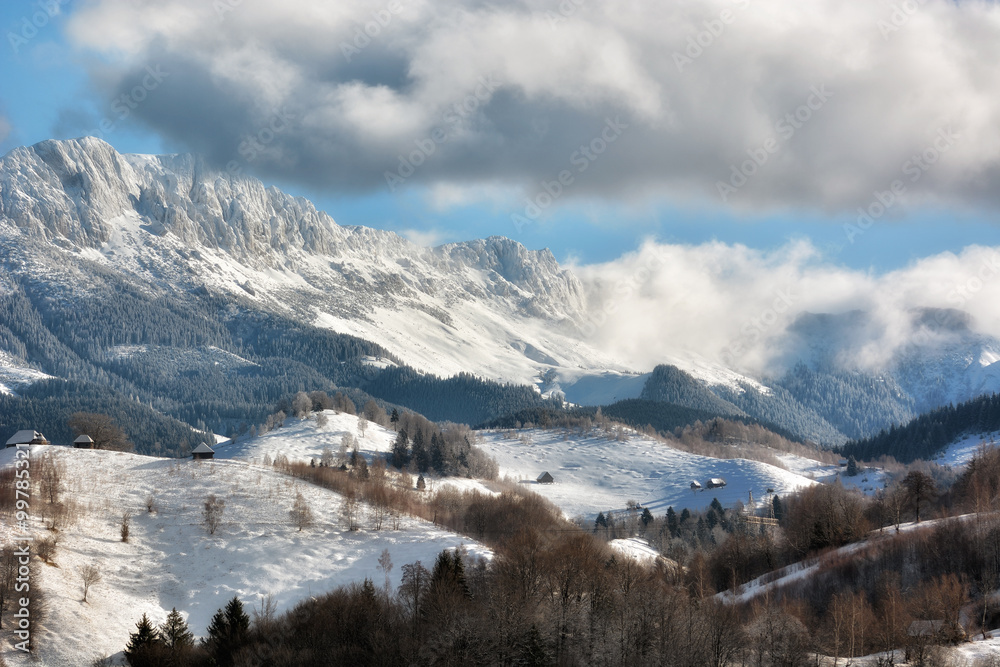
(322, 420)
(45, 548)
(349, 510)
(300, 513)
(301, 405)
(150, 503)
(90, 575)
(102, 429)
(362, 424)
(326, 458)
(214, 508)
(50, 474)
(263, 616)
(125, 527)
(385, 564)
(919, 490)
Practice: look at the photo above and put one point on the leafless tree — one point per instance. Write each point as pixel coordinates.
(90, 575)
(300, 513)
(45, 548)
(349, 510)
(102, 429)
(214, 508)
(322, 420)
(362, 424)
(385, 564)
(150, 503)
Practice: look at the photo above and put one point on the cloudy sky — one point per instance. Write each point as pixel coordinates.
(863, 136)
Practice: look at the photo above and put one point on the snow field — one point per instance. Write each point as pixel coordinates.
(594, 474)
(172, 561)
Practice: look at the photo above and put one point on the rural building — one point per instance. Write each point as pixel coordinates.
(84, 442)
(545, 478)
(715, 483)
(27, 437)
(202, 451)
(695, 486)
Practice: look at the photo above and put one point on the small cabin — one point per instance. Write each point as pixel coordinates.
(695, 485)
(545, 478)
(27, 437)
(202, 451)
(83, 442)
(715, 483)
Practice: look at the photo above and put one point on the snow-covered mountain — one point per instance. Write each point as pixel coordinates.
(81, 223)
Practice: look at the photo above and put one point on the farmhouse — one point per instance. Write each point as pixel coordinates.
(202, 451)
(545, 478)
(715, 483)
(27, 437)
(84, 442)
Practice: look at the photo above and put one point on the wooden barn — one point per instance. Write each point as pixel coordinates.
(545, 478)
(695, 485)
(27, 437)
(84, 442)
(715, 483)
(202, 451)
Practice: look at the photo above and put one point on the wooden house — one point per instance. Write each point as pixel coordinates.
(715, 483)
(695, 485)
(545, 478)
(27, 437)
(202, 451)
(84, 442)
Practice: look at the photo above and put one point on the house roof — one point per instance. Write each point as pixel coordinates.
(716, 481)
(695, 482)
(83, 438)
(203, 449)
(25, 437)
(544, 475)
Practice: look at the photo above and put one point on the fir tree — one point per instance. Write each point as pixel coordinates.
(401, 450)
(421, 456)
(672, 525)
(852, 467)
(647, 517)
(144, 644)
(600, 522)
(779, 509)
(228, 632)
(175, 633)
(421, 484)
(437, 453)
(394, 419)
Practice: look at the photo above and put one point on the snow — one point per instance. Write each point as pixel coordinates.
(868, 481)
(594, 473)
(14, 375)
(962, 450)
(635, 548)
(172, 561)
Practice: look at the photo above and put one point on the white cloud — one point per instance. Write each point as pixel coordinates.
(731, 304)
(427, 238)
(513, 92)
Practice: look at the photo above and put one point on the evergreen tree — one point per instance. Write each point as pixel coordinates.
(421, 483)
(394, 419)
(437, 454)
(672, 524)
(144, 645)
(646, 517)
(779, 509)
(852, 467)
(228, 632)
(600, 522)
(685, 515)
(421, 456)
(401, 450)
(176, 636)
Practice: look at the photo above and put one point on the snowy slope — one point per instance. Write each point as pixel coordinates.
(172, 561)
(962, 450)
(594, 474)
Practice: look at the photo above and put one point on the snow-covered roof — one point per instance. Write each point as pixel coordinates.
(83, 438)
(25, 437)
(695, 483)
(716, 481)
(203, 449)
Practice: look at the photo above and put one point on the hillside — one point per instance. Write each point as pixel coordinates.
(595, 473)
(172, 561)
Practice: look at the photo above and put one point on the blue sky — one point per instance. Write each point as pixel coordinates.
(60, 78)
